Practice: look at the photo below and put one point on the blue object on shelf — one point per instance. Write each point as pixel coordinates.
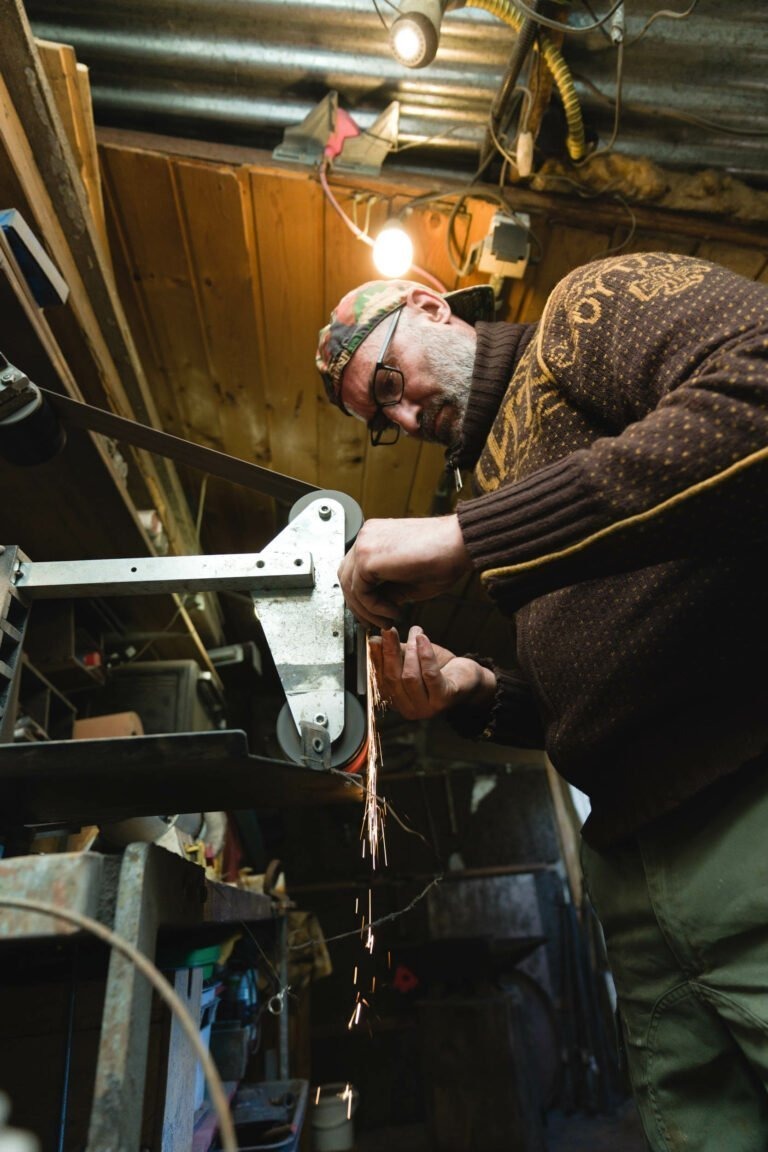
(45, 282)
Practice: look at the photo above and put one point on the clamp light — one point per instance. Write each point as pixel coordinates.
(415, 33)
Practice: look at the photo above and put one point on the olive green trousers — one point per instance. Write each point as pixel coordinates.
(684, 910)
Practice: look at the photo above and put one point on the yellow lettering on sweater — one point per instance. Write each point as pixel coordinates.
(518, 429)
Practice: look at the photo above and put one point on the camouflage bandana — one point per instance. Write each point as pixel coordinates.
(364, 308)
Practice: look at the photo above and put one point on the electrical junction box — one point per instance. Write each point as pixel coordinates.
(506, 250)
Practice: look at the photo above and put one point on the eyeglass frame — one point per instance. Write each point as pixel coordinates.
(380, 366)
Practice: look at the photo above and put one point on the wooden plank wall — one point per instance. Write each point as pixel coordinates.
(228, 263)
(227, 274)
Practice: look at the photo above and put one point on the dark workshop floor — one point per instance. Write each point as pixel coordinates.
(618, 1133)
(576, 1133)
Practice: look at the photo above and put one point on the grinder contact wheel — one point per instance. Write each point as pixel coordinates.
(344, 751)
(353, 515)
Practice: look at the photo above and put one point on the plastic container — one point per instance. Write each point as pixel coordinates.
(332, 1107)
(170, 958)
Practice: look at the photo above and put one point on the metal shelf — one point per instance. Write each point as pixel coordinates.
(144, 892)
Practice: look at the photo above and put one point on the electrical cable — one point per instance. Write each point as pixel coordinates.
(594, 16)
(479, 194)
(153, 974)
(663, 13)
(575, 141)
(632, 229)
(390, 915)
(464, 193)
(389, 4)
(503, 105)
(418, 143)
(380, 15)
(666, 14)
(507, 156)
(569, 29)
(526, 97)
(361, 235)
(616, 109)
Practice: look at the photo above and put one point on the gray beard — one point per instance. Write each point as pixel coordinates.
(450, 356)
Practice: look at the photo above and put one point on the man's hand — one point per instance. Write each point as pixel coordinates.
(394, 561)
(420, 679)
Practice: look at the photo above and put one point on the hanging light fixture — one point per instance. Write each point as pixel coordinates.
(393, 250)
(414, 35)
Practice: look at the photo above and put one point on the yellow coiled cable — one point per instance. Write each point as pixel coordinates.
(505, 10)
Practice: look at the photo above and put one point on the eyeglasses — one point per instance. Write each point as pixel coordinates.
(387, 387)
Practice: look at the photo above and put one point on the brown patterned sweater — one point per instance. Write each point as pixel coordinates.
(622, 519)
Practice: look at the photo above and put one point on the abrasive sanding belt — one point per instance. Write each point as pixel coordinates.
(238, 471)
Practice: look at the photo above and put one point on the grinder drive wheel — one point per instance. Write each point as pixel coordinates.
(353, 515)
(344, 750)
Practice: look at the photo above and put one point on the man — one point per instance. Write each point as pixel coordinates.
(619, 516)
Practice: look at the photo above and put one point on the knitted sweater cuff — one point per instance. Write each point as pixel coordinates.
(512, 718)
(548, 511)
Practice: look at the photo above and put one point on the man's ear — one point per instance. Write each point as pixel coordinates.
(434, 306)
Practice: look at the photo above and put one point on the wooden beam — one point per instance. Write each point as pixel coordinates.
(567, 208)
(45, 161)
(70, 85)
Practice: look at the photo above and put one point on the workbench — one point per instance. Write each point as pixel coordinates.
(142, 895)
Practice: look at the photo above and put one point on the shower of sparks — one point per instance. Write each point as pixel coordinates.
(355, 1017)
(372, 822)
(372, 832)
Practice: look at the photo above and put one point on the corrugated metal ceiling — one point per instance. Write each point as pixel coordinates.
(693, 92)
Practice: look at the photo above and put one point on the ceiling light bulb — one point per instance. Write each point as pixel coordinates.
(393, 251)
(408, 42)
(415, 35)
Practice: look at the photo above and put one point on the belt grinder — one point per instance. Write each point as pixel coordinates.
(312, 636)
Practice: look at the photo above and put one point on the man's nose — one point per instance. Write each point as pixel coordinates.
(406, 415)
